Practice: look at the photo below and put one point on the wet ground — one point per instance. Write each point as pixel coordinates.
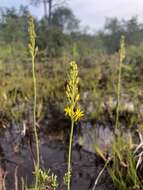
(17, 153)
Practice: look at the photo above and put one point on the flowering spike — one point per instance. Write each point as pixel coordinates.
(72, 110)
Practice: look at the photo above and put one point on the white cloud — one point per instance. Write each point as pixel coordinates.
(94, 12)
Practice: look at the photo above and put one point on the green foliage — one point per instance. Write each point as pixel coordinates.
(114, 29)
(64, 19)
(13, 26)
(58, 36)
(45, 180)
(123, 171)
(56, 42)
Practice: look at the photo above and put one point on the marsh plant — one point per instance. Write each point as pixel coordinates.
(122, 165)
(33, 52)
(43, 179)
(72, 111)
(123, 171)
(46, 180)
(122, 55)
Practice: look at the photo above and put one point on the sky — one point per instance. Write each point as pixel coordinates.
(91, 13)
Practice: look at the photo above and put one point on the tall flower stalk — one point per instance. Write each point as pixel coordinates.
(122, 55)
(33, 52)
(72, 110)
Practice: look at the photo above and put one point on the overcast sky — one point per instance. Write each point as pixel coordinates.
(92, 13)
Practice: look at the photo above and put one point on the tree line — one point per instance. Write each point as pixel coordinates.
(59, 30)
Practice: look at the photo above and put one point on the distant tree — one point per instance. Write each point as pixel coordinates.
(63, 23)
(113, 29)
(111, 34)
(13, 25)
(112, 25)
(64, 19)
(134, 31)
(48, 5)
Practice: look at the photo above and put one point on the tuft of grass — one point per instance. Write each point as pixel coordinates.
(123, 171)
(46, 180)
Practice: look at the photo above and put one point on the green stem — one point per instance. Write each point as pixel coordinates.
(118, 95)
(69, 155)
(37, 162)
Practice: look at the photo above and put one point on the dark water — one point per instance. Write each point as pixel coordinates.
(17, 152)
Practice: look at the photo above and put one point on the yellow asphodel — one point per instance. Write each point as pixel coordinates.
(74, 115)
(78, 114)
(72, 110)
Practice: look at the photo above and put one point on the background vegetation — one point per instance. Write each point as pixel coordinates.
(60, 40)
